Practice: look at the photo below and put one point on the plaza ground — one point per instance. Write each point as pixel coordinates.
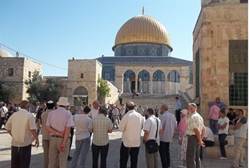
(113, 157)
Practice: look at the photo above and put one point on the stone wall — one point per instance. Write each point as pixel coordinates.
(83, 73)
(29, 68)
(215, 26)
(113, 98)
(22, 67)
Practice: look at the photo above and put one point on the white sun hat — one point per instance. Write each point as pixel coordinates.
(63, 101)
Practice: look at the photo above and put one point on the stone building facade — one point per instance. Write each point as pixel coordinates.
(141, 64)
(141, 61)
(82, 81)
(220, 53)
(14, 71)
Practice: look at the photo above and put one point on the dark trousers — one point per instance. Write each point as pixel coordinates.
(193, 153)
(222, 141)
(165, 155)
(71, 139)
(1, 122)
(96, 150)
(20, 157)
(125, 152)
(214, 126)
(120, 100)
(178, 115)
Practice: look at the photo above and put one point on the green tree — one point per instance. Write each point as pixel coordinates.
(40, 90)
(103, 90)
(52, 90)
(7, 92)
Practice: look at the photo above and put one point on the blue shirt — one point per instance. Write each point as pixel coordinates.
(169, 125)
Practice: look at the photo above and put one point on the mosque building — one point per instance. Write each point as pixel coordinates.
(141, 64)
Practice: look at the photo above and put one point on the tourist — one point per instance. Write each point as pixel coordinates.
(3, 112)
(182, 128)
(22, 127)
(151, 138)
(178, 107)
(208, 140)
(39, 112)
(140, 110)
(169, 125)
(101, 126)
(72, 110)
(231, 116)
(58, 125)
(95, 109)
(213, 117)
(115, 116)
(83, 126)
(219, 103)
(194, 134)
(122, 110)
(131, 126)
(223, 125)
(208, 137)
(156, 111)
(120, 96)
(45, 136)
(240, 136)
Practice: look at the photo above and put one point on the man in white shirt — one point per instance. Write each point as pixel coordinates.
(83, 126)
(194, 133)
(240, 138)
(116, 116)
(131, 126)
(58, 125)
(223, 125)
(21, 126)
(169, 125)
(152, 128)
(3, 112)
(95, 109)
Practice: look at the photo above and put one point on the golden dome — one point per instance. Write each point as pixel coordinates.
(4, 53)
(142, 29)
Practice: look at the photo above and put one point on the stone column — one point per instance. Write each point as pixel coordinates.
(136, 83)
(151, 86)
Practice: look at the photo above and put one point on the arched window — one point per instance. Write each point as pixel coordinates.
(174, 76)
(80, 91)
(158, 76)
(144, 75)
(129, 75)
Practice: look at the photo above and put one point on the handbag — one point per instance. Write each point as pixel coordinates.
(152, 145)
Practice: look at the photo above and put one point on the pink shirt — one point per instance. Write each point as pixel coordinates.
(214, 112)
(60, 119)
(182, 127)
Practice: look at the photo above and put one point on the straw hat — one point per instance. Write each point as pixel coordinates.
(63, 101)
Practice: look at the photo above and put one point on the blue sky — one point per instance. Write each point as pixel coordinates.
(54, 31)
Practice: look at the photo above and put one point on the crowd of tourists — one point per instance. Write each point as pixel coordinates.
(91, 125)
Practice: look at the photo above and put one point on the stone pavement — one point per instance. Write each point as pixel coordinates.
(113, 157)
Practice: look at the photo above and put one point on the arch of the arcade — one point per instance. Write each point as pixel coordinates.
(153, 80)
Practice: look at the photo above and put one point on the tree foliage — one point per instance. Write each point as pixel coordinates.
(40, 90)
(103, 89)
(7, 92)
